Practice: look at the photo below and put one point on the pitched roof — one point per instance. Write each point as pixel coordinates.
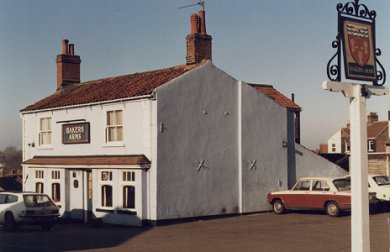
(113, 88)
(376, 128)
(373, 130)
(133, 85)
(275, 95)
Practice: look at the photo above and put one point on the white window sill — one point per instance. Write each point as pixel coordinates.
(114, 144)
(45, 147)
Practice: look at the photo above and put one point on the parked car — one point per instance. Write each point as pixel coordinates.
(330, 194)
(18, 208)
(379, 184)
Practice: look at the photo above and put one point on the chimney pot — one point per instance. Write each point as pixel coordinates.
(194, 23)
(202, 21)
(71, 49)
(65, 46)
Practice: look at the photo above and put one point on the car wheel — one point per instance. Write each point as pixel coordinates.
(278, 206)
(9, 222)
(47, 226)
(332, 209)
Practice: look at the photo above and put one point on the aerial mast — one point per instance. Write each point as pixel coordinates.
(201, 3)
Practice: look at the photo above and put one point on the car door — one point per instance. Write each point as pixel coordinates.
(298, 197)
(319, 194)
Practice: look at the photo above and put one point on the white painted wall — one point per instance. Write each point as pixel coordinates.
(198, 117)
(138, 134)
(309, 164)
(136, 120)
(336, 140)
(264, 128)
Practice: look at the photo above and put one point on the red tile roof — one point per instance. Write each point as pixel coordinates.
(113, 88)
(376, 128)
(133, 85)
(275, 95)
(88, 160)
(373, 129)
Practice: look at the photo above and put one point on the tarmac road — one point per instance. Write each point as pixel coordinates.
(297, 231)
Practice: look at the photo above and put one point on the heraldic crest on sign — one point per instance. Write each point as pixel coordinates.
(359, 55)
(359, 43)
(356, 35)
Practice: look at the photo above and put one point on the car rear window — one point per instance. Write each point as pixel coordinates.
(8, 198)
(382, 180)
(37, 201)
(343, 184)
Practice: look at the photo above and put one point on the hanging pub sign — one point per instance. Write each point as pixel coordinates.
(75, 133)
(359, 53)
(356, 37)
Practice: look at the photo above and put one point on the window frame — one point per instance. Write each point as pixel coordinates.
(116, 126)
(39, 185)
(56, 192)
(103, 198)
(128, 178)
(371, 145)
(43, 131)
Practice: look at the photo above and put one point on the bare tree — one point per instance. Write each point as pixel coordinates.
(11, 158)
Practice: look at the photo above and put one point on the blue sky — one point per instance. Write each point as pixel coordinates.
(280, 42)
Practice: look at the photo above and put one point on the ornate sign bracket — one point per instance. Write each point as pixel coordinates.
(359, 20)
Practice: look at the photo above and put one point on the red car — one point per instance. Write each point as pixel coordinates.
(330, 194)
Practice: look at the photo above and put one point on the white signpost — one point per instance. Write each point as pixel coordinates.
(355, 40)
(358, 94)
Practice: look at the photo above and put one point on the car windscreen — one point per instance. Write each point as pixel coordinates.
(35, 200)
(381, 180)
(343, 184)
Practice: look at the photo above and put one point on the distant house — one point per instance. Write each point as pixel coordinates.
(378, 145)
(179, 142)
(377, 137)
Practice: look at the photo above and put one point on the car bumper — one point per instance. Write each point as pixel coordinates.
(27, 218)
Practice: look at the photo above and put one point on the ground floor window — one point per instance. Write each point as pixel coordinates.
(39, 187)
(128, 197)
(106, 196)
(56, 192)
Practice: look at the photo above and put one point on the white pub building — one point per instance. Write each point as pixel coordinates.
(180, 142)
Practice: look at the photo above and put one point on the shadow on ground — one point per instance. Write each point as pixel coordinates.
(67, 236)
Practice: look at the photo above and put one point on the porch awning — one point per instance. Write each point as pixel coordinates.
(90, 161)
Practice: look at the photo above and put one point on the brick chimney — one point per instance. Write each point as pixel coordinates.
(198, 41)
(372, 117)
(68, 66)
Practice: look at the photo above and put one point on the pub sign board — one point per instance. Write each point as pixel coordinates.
(76, 133)
(359, 49)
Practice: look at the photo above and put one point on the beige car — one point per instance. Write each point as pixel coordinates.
(17, 208)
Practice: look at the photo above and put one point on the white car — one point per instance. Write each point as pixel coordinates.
(379, 184)
(27, 208)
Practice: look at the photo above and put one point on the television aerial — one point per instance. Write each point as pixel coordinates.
(201, 3)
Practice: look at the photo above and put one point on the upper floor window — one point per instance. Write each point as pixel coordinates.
(333, 147)
(371, 145)
(347, 147)
(114, 129)
(45, 131)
